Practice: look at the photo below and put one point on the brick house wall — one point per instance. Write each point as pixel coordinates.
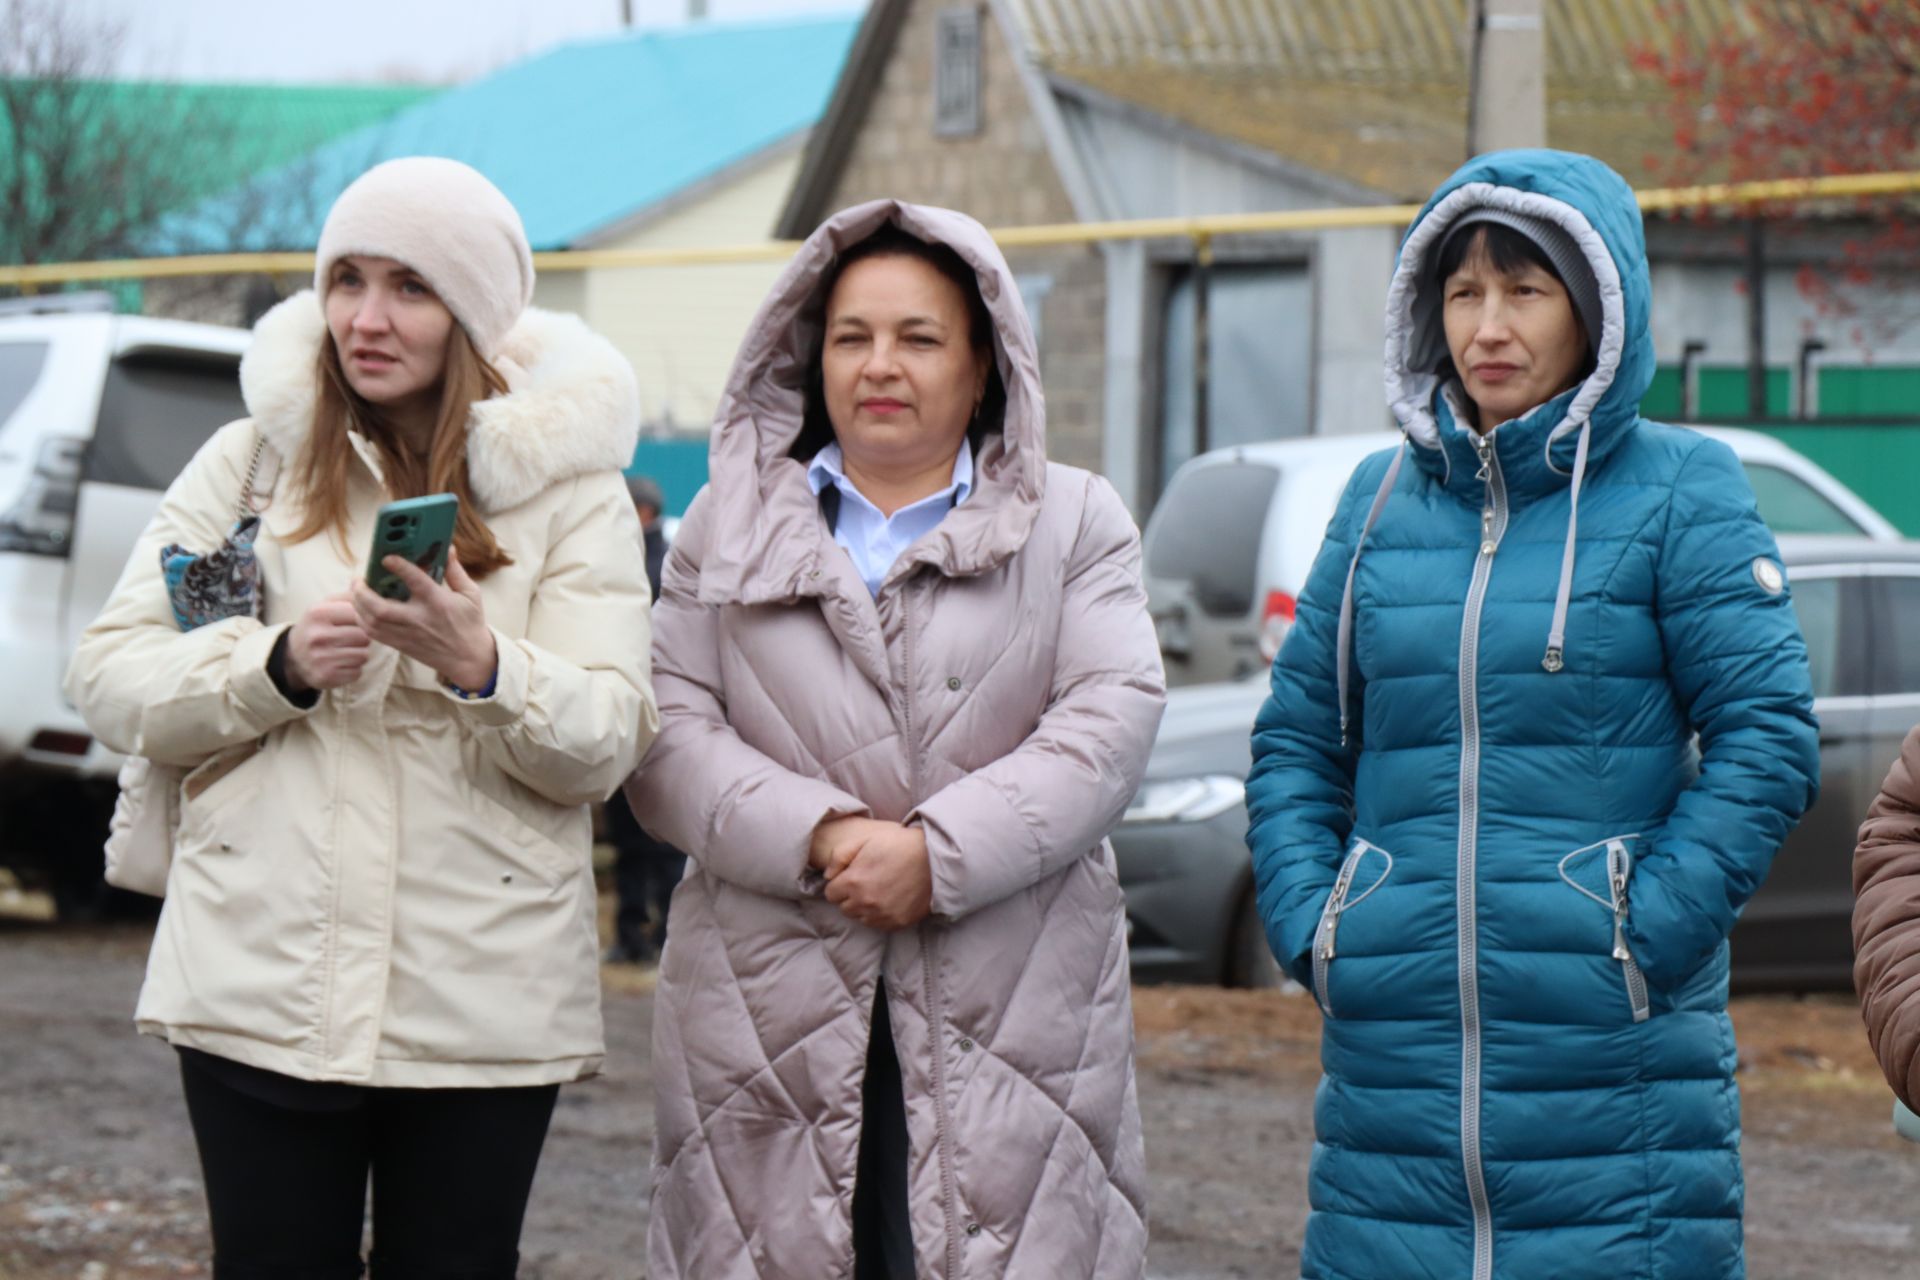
(1005, 177)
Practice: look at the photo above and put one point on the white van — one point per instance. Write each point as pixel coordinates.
(98, 413)
(1230, 543)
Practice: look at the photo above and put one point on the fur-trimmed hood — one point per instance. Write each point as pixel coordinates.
(572, 404)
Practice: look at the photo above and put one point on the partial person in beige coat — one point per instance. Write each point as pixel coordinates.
(908, 685)
(1886, 923)
(378, 948)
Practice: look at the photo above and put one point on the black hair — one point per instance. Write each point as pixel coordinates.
(892, 241)
(1510, 253)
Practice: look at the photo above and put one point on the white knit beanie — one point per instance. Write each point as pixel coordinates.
(447, 222)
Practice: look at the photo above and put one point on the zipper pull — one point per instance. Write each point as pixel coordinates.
(1483, 445)
(1487, 545)
(1337, 900)
(1617, 881)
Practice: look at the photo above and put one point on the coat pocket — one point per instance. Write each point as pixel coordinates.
(1618, 865)
(518, 840)
(208, 787)
(1341, 901)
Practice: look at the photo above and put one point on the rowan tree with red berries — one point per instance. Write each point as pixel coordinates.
(1800, 89)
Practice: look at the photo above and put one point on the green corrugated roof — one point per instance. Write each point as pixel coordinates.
(578, 138)
(157, 147)
(270, 124)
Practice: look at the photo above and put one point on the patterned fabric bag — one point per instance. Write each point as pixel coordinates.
(223, 583)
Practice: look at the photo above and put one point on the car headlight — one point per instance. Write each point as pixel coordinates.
(1186, 799)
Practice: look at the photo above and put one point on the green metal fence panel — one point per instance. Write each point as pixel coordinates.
(1891, 391)
(1665, 400)
(1723, 393)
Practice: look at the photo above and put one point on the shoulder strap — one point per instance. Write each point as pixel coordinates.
(255, 497)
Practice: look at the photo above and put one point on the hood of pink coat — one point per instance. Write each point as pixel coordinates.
(767, 537)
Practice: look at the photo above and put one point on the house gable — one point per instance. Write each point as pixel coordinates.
(877, 138)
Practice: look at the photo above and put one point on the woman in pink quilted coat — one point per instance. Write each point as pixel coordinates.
(907, 685)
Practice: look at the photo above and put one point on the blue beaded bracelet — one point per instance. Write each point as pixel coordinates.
(467, 695)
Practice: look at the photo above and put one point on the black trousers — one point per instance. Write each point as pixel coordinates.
(882, 1227)
(645, 871)
(287, 1162)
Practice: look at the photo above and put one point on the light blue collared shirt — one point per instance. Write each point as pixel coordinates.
(875, 540)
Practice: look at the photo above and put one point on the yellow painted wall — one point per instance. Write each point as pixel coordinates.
(681, 325)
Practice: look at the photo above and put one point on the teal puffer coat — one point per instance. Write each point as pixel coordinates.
(1510, 877)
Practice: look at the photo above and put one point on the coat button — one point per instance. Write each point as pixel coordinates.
(225, 847)
(506, 879)
(953, 682)
(966, 1046)
(973, 1228)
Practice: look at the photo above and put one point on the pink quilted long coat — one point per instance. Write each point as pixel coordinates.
(1002, 692)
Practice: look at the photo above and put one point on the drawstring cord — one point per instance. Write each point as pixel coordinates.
(1344, 638)
(1557, 635)
(1555, 659)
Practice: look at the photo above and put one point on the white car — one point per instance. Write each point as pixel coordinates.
(98, 413)
(1229, 545)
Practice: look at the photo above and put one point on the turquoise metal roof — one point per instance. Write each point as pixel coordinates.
(578, 138)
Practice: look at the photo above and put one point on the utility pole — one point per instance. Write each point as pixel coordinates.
(1506, 76)
(1756, 279)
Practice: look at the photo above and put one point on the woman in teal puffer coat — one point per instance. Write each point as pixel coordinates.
(1482, 830)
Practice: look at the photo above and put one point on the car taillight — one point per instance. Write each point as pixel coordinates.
(59, 743)
(40, 522)
(1275, 621)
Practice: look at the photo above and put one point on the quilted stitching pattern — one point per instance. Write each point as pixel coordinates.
(1609, 1146)
(1003, 691)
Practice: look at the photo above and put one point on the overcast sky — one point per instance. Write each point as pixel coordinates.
(331, 41)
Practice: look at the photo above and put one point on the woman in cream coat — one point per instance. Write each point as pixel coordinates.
(378, 949)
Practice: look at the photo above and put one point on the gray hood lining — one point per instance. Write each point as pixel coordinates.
(1410, 391)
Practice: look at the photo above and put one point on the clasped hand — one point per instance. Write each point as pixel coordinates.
(877, 872)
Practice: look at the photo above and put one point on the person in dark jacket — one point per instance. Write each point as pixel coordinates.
(650, 504)
(1481, 830)
(645, 869)
(1886, 923)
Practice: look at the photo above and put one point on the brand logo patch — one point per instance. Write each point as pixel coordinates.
(1771, 577)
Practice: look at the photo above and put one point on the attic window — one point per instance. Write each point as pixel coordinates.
(956, 72)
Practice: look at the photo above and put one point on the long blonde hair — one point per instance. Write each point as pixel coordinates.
(320, 472)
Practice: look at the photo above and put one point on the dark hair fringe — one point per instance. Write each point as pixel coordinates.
(894, 241)
(1508, 251)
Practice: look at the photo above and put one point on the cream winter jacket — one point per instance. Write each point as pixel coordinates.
(393, 886)
(1002, 692)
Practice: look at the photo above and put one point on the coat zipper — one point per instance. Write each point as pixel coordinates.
(936, 1004)
(1493, 526)
(1337, 903)
(1619, 864)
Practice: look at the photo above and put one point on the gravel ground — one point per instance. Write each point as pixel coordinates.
(98, 1177)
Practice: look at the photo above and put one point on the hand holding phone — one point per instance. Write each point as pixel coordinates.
(440, 619)
(418, 530)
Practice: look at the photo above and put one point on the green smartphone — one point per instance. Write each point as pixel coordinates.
(417, 529)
